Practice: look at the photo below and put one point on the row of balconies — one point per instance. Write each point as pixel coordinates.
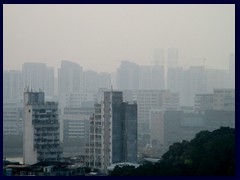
(46, 123)
(46, 135)
(46, 142)
(47, 151)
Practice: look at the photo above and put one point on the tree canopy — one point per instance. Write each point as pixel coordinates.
(209, 153)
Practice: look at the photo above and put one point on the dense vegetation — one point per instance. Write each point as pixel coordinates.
(209, 153)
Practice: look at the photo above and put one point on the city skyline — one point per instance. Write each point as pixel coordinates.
(99, 37)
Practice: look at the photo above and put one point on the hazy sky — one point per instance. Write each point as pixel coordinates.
(98, 37)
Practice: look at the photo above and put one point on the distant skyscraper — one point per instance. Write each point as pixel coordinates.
(197, 80)
(172, 58)
(149, 100)
(92, 81)
(151, 77)
(216, 78)
(145, 78)
(104, 80)
(12, 85)
(159, 56)
(128, 76)
(12, 118)
(38, 76)
(49, 81)
(157, 77)
(6, 85)
(41, 129)
(70, 78)
(171, 70)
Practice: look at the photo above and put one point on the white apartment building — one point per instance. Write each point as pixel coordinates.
(41, 129)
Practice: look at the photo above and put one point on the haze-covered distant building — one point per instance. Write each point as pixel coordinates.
(216, 78)
(220, 99)
(224, 99)
(113, 132)
(159, 57)
(172, 58)
(38, 76)
(92, 81)
(168, 127)
(41, 140)
(12, 85)
(151, 77)
(12, 118)
(148, 100)
(203, 102)
(76, 126)
(128, 76)
(70, 78)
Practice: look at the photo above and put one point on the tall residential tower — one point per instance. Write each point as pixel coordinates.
(41, 129)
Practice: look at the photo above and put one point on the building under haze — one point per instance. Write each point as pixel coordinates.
(151, 77)
(172, 58)
(113, 132)
(220, 99)
(148, 100)
(12, 118)
(128, 76)
(224, 99)
(38, 76)
(159, 56)
(92, 81)
(76, 126)
(12, 85)
(168, 127)
(41, 140)
(70, 78)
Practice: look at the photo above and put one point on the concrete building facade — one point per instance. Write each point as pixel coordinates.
(38, 76)
(12, 118)
(113, 132)
(41, 140)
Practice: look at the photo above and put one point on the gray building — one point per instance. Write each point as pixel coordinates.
(76, 126)
(12, 85)
(220, 99)
(148, 100)
(203, 102)
(41, 140)
(128, 76)
(169, 127)
(224, 99)
(113, 132)
(38, 76)
(70, 78)
(12, 118)
(159, 56)
(172, 58)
